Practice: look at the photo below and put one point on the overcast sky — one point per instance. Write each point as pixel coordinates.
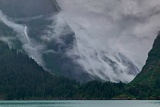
(126, 26)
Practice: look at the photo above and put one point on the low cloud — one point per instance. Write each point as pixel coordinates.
(126, 26)
(22, 36)
(38, 43)
(109, 34)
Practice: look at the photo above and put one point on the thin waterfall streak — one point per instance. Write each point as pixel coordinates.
(26, 34)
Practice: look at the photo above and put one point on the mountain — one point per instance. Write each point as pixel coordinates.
(22, 78)
(100, 61)
(151, 70)
(146, 84)
(38, 28)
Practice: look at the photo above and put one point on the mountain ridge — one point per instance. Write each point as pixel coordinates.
(146, 83)
(152, 63)
(40, 30)
(22, 78)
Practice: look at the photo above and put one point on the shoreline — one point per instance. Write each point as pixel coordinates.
(72, 99)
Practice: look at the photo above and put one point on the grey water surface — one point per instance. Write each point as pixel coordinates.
(77, 103)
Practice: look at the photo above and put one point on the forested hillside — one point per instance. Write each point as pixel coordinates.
(147, 83)
(22, 78)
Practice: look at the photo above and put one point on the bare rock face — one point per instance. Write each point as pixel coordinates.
(28, 8)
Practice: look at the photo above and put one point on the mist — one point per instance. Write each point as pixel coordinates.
(125, 26)
(111, 42)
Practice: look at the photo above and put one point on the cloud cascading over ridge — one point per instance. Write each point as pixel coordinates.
(126, 26)
(111, 41)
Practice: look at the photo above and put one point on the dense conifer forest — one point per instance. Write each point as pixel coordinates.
(22, 78)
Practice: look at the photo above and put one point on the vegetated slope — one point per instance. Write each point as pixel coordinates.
(22, 78)
(147, 83)
(151, 71)
(38, 28)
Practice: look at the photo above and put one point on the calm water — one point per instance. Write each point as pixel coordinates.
(80, 103)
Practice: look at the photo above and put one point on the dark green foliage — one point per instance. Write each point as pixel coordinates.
(99, 90)
(22, 78)
(151, 70)
(147, 83)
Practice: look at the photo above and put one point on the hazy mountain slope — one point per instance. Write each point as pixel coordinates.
(22, 78)
(38, 28)
(100, 61)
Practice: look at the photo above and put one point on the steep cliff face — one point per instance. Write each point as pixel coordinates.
(38, 28)
(146, 84)
(150, 73)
